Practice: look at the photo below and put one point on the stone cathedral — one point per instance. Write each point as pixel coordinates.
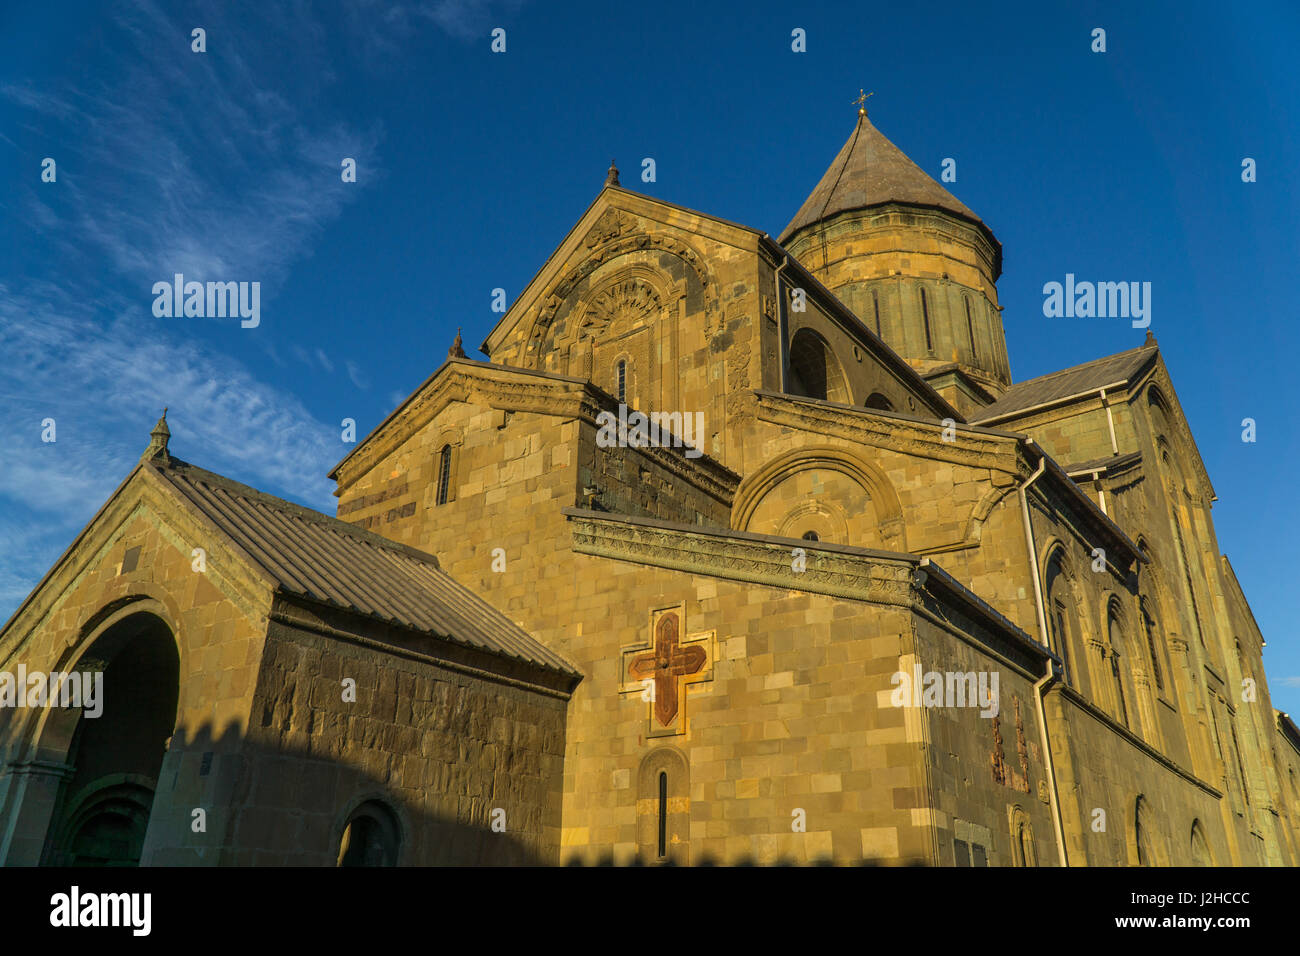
(832, 587)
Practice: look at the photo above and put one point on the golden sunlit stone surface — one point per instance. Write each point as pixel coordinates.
(520, 642)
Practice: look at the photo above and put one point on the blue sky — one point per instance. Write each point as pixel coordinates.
(473, 165)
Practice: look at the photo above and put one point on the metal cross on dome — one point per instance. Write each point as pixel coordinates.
(861, 101)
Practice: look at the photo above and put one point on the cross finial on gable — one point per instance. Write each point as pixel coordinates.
(158, 439)
(861, 101)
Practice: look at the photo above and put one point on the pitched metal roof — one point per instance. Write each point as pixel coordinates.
(1108, 464)
(1080, 379)
(315, 556)
(870, 171)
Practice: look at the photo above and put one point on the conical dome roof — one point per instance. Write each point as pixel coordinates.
(870, 171)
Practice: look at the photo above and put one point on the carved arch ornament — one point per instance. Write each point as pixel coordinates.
(633, 295)
(889, 510)
(610, 244)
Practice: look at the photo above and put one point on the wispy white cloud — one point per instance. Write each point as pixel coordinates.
(354, 373)
(171, 164)
(188, 169)
(113, 383)
(469, 19)
(382, 24)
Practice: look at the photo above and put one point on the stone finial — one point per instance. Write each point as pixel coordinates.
(158, 439)
(457, 347)
(611, 177)
(1151, 339)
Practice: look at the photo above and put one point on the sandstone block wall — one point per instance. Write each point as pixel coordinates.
(446, 748)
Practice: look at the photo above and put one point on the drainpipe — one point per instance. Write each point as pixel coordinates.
(1110, 423)
(780, 322)
(1040, 687)
(1029, 543)
(1101, 492)
(1052, 675)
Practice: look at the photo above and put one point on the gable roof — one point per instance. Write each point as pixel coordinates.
(311, 555)
(869, 171)
(610, 196)
(1089, 377)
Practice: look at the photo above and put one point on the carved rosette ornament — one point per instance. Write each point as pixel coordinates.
(606, 242)
(629, 301)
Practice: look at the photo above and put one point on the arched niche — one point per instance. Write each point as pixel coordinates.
(850, 497)
(1024, 851)
(1115, 627)
(1201, 855)
(1144, 847)
(1063, 602)
(616, 248)
(617, 320)
(815, 371)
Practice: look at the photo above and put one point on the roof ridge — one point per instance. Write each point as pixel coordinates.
(1066, 384)
(1074, 368)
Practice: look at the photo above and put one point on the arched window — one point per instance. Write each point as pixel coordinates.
(970, 330)
(925, 318)
(1200, 846)
(1114, 633)
(875, 302)
(814, 370)
(1241, 767)
(444, 474)
(1061, 612)
(621, 371)
(810, 536)
(1149, 628)
(878, 401)
(663, 814)
(1024, 853)
(1141, 835)
(371, 837)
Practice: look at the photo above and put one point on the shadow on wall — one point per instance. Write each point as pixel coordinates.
(226, 800)
(607, 859)
(117, 785)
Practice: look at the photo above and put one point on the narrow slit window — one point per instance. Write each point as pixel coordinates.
(444, 474)
(622, 382)
(1121, 705)
(925, 318)
(1150, 627)
(1241, 768)
(663, 815)
(875, 301)
(970, 330)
